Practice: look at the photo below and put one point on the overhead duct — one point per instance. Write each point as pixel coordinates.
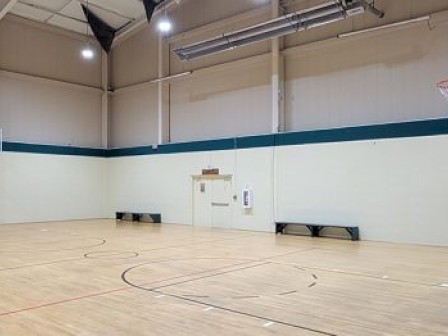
(333, 11)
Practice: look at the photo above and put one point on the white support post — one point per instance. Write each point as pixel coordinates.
(105, 100)
(277, 77)
(162, 95)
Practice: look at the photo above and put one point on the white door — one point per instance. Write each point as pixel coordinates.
(212, 206)
(202, 197)
(221, 203)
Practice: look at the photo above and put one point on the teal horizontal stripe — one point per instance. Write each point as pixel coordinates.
(385, 131)
(184, 147)
(51, 149)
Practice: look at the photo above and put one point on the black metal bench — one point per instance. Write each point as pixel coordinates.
(137, 216)
(315, 229)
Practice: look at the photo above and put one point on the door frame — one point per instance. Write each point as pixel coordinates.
(198, 178)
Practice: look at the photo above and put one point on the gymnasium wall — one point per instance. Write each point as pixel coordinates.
(49, 96)
(48, 187)
(383, 81)
(216, 105)
(392, 187)
(229, 94)
(164, 184)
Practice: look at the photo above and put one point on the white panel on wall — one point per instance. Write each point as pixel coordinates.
(134, 117)
(35, 112)
(367, 80)
(394, 190)
(225, 103)
(254, 170)
(36, 187)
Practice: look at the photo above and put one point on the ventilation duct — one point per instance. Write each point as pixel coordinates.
(333, 11)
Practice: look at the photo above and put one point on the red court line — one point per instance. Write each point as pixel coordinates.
(45, 305)
(63, 301)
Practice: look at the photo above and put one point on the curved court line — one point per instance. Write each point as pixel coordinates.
(124, 275)
(41, 264)
(32, 250)
(82, 297)
(192, 300)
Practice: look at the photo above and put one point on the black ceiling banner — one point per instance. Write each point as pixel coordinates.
(150, 6)
(104, 33)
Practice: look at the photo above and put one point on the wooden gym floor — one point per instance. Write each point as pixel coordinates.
(106, 278)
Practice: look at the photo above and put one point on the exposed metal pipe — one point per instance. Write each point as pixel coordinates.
(290, 23)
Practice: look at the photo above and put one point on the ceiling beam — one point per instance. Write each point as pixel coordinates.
(5, 7)
(141, 22)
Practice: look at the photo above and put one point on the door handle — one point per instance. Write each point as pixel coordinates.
(220, 204)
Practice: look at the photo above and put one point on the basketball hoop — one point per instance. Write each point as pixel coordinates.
(443, 87)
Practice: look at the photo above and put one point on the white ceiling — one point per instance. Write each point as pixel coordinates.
(68, 14)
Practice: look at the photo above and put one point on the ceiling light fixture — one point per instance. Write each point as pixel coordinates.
(329, 12)
(164, 24)
(87, 52)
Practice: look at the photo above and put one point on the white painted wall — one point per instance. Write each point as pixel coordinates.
(163, 184)
(36, 187)
(394, 190)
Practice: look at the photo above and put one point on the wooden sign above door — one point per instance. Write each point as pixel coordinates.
(210, 171)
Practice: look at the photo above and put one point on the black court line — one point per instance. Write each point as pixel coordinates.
(41, 264)
(371, 276)
(182, 297)
(259, 317)
(328, 270)
(148, 250)
(22, 251)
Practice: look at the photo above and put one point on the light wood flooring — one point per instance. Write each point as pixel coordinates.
(100, 277)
